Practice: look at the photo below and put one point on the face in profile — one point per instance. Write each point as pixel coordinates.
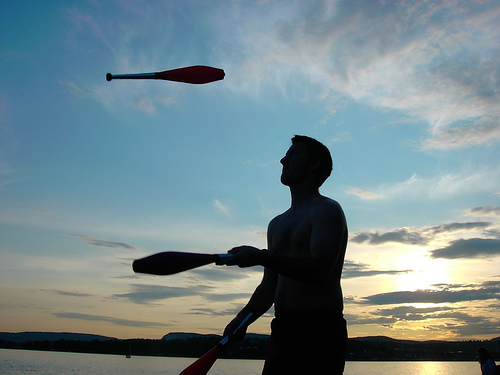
(295, 165)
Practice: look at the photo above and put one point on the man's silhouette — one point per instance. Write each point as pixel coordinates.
(302, 269)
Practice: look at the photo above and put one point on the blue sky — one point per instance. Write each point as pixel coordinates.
(95, 174)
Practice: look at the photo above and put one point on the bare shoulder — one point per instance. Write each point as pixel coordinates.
(326, 207)
(274, 222)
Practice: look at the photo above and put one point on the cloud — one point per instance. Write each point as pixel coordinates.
(66, 293)
(102, 243)
(129, 49)
(145, 294)
(449, 185)
(223, 208)
(436, 62)
(469, 248)
(353, 270)
(447, 293)
(226, 297)
(439, 318)
(458, 227)
(444, 186)
(112, 320)
(214, 312)
(146, 105)
(458, 137)
(464, 324)
(388, 317)
(400, 235)
(76, 91)
(223, 273)
(363, 194)
(412, 313)
(140, 99)
(416, 236)
(484, 211)
(169, 101)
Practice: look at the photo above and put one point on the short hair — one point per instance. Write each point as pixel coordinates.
(483, 354)
(317, 151)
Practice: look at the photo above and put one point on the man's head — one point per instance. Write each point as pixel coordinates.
(317, 159)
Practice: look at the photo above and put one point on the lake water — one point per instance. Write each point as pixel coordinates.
(16, 362)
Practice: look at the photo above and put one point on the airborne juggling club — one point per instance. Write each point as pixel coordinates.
(197, 74)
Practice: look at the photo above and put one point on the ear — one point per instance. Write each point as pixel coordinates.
(315, 165)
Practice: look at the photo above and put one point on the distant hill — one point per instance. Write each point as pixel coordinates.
(51, 336)
(184, 336)
(183, 344)
(382, 348)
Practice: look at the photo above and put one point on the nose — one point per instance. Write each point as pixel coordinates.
(284, 160)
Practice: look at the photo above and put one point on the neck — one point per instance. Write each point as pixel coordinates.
(301, 193)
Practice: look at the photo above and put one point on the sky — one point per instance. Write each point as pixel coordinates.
(95, 174)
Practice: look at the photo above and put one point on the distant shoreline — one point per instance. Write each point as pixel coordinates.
(190, 345)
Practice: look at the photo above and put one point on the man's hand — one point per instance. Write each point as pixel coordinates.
(231, 327)
(244, 256)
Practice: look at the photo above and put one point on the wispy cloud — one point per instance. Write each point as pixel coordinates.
(75, 91)
(444, 186)
(467, 325)
(227, 297)
(484, 211)
(145, 294)
(224, 312)
(142, 293)
(456, 137)
(146, 105)
(66, 293)
(439, 319)
(438, 63)
(112, 320)
(223, 208)
(354, 270)
(478, 239)
(103, 243)
(363, 194)
(130, 50)
(445, 293)
(417, 236)
(219, 274)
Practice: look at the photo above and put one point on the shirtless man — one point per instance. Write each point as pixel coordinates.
(302, 269)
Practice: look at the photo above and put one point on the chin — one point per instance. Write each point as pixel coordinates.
(285, 181)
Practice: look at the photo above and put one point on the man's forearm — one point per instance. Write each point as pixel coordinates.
(305, 269)
(260, 302)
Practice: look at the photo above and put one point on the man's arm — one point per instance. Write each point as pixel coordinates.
(328, 230)
(261, 301)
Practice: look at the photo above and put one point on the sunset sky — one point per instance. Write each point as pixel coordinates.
(94, 174)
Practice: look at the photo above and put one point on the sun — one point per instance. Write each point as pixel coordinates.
(423, 273)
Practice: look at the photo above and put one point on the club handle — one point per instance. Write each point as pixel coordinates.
(243, 322)
(110, 76)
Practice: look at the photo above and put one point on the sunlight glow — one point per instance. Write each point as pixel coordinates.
(427, 272)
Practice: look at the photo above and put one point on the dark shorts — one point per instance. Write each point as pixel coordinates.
(307, 343)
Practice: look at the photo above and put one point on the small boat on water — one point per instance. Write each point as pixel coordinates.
(129, 355)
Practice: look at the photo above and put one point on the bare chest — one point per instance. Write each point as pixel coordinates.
(292, 234)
